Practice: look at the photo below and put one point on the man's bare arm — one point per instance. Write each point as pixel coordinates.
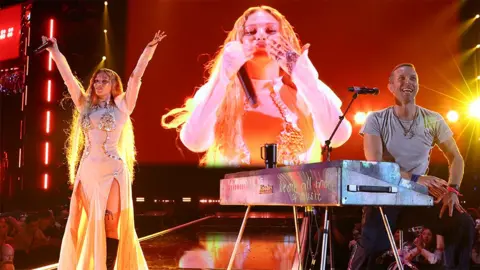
(455, 161)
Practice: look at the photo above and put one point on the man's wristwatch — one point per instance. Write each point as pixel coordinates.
(455, 186)
(454, 189)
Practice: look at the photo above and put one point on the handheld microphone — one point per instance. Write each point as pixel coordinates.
(247, 86)
(43, 47)
(362, 90)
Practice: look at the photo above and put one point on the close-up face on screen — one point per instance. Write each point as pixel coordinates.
(358, 46)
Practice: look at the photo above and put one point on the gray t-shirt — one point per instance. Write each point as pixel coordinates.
(410, 152)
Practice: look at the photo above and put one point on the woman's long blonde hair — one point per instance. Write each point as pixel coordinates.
(76, 137)
(229, 114)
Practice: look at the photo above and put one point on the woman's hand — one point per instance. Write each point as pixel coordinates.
(157, 38)
(418, 242)
(54, 46)
(280, 49)
(235, 54)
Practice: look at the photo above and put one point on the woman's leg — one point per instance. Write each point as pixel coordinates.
(112, 217)
(112, 213)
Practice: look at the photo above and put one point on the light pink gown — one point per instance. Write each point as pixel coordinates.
(84, 245)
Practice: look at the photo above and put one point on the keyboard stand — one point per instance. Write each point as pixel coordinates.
(242, 229)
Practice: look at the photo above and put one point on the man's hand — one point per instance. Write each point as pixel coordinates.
(450, 199)
(436, 186)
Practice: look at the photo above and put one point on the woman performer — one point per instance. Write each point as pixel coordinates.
(101, 155)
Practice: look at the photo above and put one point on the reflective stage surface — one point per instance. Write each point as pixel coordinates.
(268, 243)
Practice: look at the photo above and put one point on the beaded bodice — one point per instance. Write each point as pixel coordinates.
(290, 140)
(102, 126)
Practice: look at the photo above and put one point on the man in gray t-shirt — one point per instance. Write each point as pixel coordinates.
(411, 151)
(405, 134)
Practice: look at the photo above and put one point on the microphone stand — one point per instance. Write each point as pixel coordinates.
(327, 150)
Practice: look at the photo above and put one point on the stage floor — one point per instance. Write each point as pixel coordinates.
(268, 243)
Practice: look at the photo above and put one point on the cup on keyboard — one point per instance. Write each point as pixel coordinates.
(268, 152)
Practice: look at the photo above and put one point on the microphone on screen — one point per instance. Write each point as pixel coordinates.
(362, 90)
(247, 86)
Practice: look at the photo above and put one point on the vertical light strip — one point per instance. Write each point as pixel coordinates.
(47, 127)
(23, 99)
(50, 55)
(48, 112)
(51, 28)
(27, 69)
(46, 153)
(19, 157)
(45, 181)
(21, 129)
(26, 95)
(49, 90)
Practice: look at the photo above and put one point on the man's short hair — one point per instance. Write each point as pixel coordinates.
(390, 79)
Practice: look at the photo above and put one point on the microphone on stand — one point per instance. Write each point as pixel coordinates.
(43, 47)
(247, 86)
(362, 90)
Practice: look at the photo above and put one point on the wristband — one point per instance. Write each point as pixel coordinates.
(453, 190)
(415, 177)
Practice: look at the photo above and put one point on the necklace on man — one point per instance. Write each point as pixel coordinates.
(409, 130)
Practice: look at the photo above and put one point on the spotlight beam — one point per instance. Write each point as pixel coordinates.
(461, 74)
(443, 94)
